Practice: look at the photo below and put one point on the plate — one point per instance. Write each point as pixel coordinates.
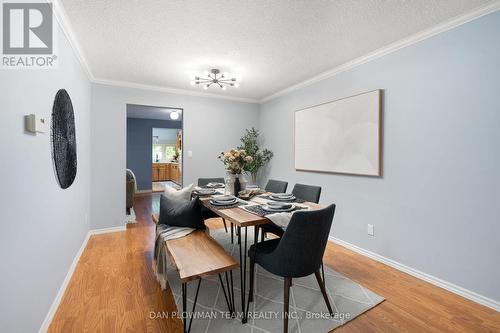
(223, 203)
(270, 209)
(216, 185)
(282, 194)
(205, 191)
(224, 197)
(280, 205)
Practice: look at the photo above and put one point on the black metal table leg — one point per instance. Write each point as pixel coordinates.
(232, 292)
(184, 306)
(243, 269)
(255, 241)
(232, 233)
(250, 295)
(229, 296)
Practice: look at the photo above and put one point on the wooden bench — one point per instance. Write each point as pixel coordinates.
(198, 255)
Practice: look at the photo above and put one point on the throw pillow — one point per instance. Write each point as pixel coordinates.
(180, 213)
(182, 194)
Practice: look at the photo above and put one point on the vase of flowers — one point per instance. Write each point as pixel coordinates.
(235, 161)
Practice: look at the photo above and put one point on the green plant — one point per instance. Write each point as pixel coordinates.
(250, 143)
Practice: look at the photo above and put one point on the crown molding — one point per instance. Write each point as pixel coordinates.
(62, 19)
(413, 39)
(178, 91)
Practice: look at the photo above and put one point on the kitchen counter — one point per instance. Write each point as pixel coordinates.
(166, 163)
(162, 171)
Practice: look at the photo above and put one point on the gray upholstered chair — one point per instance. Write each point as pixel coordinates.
(298, 253)
(205, 181)
(276, 186)
(307, 192)
(207, 213)
(131, 188)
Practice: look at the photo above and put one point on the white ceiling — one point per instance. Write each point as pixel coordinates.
(271, 45)
(151, 112)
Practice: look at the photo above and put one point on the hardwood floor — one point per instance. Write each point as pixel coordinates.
(113, 289)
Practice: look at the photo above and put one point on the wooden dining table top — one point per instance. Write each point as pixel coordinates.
(243, 218)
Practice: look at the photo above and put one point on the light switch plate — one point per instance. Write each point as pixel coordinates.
(371, 230)
(190, 153)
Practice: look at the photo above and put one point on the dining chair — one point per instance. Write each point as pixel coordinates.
(276, 186)
(205, 181)
(207, 213)
(309, 193)
(297, 254)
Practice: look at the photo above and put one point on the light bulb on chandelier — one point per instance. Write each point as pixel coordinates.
(216, 79)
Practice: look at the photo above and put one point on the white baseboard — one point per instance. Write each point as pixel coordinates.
(143, 191)
(471, 295)
(107, 230)
(72, 267)
(62, 289)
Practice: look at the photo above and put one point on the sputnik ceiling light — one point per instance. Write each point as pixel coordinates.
(214, 77)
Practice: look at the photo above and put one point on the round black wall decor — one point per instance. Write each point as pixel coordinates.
(64, 139)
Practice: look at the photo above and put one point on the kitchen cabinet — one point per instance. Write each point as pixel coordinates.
(155, 173)
(174, 172)
(166, 171)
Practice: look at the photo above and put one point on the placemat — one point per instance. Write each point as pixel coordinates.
(297, 200)
(257, 210)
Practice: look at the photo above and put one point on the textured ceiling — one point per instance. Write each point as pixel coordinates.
(271, 45)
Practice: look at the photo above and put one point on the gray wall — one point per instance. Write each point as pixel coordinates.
(139, 145)
(43, 226)
(436, 208)
(210, 126)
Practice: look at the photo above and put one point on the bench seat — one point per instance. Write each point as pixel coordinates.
(197, 255)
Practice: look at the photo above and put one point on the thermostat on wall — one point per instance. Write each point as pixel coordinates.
(35, 124)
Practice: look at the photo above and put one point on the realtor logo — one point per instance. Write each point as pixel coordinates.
(27, 35)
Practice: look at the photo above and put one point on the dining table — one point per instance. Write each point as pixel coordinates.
(242, 219)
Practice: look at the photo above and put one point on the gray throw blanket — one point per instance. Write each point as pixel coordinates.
(160, 259)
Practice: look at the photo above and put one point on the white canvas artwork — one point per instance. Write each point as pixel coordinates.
(342, 136)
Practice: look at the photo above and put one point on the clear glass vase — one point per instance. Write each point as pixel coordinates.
(230, 179)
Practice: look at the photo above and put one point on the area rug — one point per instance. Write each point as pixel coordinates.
(308, 312)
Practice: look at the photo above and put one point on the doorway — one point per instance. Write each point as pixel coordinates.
(166, 158)
(154, 148)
